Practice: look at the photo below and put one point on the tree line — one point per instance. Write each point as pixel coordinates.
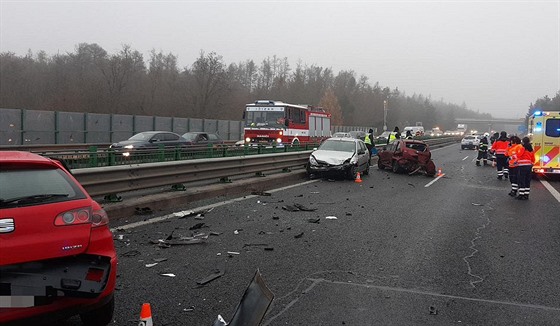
(92, 80)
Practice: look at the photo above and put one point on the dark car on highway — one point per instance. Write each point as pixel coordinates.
(149, 140)
(202, 138)
(57, 257)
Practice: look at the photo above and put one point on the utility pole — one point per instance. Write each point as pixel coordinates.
(385, 107)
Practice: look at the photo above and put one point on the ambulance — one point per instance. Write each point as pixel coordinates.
(544, 132)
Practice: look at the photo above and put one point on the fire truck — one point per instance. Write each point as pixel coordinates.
(544, 132)
(277, 123)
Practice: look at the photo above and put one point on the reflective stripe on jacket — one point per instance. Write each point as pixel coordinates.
(525, 157)
(367, 140)
(500, 147)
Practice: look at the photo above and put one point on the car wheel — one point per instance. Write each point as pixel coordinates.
(366, 171)
(430, 169)
(352, 173)
(462, 147)
(380, 165)
(100, 316)
(396, 167)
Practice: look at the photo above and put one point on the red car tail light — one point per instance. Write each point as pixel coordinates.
(73, 217)
(82, 216)
(99, 217)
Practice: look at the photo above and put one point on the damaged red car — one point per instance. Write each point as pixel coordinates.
(407, 155)
(57, 253)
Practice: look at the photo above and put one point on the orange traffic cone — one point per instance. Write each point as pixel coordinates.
(358, 178)
(146, 316)
(439, 172)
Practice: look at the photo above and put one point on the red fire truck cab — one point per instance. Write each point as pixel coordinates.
(277, 123)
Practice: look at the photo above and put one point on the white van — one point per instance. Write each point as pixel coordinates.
(414, 130)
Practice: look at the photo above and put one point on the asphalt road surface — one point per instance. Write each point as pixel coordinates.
(403, 250)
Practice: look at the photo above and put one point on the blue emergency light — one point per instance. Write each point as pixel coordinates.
(538, 127)
(537, 113)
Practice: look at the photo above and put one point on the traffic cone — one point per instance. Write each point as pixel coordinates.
(358, 178)
(146, 316)
(439, 172)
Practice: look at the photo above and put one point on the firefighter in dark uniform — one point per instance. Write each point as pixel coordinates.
(483, 150)
(499, 149)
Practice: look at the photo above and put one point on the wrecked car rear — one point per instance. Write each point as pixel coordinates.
(407, 155)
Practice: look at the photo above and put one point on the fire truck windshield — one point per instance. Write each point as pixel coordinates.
(264, 119)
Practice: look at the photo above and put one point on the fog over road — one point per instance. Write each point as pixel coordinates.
(404, 250)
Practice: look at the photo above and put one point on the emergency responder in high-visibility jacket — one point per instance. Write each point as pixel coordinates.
(396, 134)
(483, 150)
(368, 140)
(499, 149)
(525, 161)
(511, 153)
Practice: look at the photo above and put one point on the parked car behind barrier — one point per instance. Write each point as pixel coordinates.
(149, 140)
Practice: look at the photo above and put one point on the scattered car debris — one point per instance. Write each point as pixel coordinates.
(143, 211)
(197, 226)
(254, 244)
(216, 274)
(303, 208)
(191, 308)
(200, 213)
(253, 305)
(131, 253)
(275, 217)
(215, 233)
(233, 253)
(261, 193)
(433, 310)
(314, 220)
(151, 265)
(170, 236)
(290, 208)
(410, 184)
(268, 248)
(297, 236)
(168, 275)
(331, 217)
(159, 260)
(476, 204)
(181, 241)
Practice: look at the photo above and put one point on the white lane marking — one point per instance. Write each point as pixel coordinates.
(551, 189)
(202, 208)
(436, 179)
(466, 157)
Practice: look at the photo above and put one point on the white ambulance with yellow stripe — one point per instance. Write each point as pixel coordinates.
(544, 132)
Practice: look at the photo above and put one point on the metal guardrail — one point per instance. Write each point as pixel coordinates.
(118, 179)
(112, 180)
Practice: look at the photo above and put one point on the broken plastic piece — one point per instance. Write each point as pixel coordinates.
(475, 204)
(331, 217)
(168, 274)
(305, 209)
(151, 265)
(233, 252)
(131, 253)
(290, 208)
(219, 321)
(217, 273)
(314, 220)
(196, 226)
(297, 236)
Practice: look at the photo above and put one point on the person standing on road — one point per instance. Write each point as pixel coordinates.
(368, 140)
(396, 134)
(482, 150)
(525, 161)
(511, 153)
(408, 134)
(499, 149)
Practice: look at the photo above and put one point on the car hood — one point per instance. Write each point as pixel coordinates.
(332, 157)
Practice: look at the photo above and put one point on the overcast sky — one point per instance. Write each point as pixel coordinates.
(496, 56)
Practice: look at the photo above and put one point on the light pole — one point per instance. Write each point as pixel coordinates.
(385, 107)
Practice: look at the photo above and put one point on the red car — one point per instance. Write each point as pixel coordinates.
(57, 254)
(407, 155)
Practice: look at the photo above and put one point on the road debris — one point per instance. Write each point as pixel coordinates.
(433, 310)
(290, 208)
(255, 245)
(231, 253)
(304, 208)
(476, 204)
(268, 248)
(197, 226)
(297, 236)
(314, 220)
(261, 193)
(331, 217)
(143, 211)
(151, 265)
(215, 274)
(168, 275)
(131, 253)
(159, 260)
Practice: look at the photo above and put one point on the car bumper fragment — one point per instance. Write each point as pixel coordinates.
(39, 283)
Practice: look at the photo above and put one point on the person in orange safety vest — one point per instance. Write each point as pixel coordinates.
(499, 149)
(525, 161)
(511, 153)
